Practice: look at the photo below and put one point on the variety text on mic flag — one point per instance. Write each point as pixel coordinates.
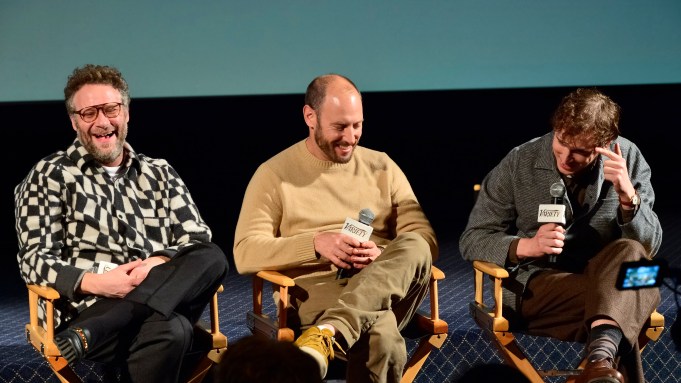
(551, 213)
(357, 230)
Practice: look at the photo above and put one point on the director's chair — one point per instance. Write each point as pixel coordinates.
(493, 323)
(428, 327)
(41, 336)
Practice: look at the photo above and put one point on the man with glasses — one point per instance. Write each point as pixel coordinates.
(118, 235)
(563, 276)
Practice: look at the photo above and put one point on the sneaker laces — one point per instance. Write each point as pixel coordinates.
(325, 340)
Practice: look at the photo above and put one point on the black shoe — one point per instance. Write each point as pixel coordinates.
(73, 343)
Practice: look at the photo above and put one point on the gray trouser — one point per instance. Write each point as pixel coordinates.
(369, 309)
(563, 305)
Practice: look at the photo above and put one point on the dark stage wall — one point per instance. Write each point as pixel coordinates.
(445, 141)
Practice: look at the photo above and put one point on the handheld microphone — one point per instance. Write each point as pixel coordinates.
(555, 211)
(360, 230)
(557, 191)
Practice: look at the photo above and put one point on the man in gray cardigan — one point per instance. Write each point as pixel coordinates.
(563, 277)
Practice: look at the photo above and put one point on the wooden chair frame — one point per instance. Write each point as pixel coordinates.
(275, 326)
(42, 337)
(493, 323)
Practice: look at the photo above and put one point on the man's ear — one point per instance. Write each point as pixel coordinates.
(310, 116)
(73, 117)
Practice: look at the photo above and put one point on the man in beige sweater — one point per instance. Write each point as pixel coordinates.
(291, 219)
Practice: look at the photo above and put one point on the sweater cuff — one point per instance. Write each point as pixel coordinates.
(68, 281)
(305, 247)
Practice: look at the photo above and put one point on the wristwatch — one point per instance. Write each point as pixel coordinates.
(633, 203)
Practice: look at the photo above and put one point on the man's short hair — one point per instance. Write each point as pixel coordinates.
(586, 112)
(94, 74)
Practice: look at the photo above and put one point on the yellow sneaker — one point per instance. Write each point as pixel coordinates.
(318, 343)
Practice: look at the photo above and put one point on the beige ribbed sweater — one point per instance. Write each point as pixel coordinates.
(293, 195)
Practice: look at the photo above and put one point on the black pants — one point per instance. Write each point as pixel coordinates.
(178, 291)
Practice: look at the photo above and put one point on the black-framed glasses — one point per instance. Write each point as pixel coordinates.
(90, 113)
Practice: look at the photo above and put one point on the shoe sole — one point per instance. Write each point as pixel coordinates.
(319, 358)
(605, 379)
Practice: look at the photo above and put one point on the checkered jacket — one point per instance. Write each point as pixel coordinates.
(71, 215)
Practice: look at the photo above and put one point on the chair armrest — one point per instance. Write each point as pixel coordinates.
(496, 272)
(219, 339)
(491, 317)
(652, 330)
(491, 269)
(44, 292)
(260, 322)
(42, 337)
(276, 277)
(436, 273)
(433, 325)
(656, 319)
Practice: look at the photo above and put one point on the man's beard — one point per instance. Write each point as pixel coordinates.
(328, 147)
(107, 154)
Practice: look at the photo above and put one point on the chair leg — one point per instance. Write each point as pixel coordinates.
(580, 367)
(420, 355)
(62, 370)
(212, 358)
(514, 356)
(201, 370)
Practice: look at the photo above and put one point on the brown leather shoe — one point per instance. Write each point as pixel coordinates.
(600, 371)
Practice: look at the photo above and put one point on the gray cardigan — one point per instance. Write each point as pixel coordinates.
(508, 201)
